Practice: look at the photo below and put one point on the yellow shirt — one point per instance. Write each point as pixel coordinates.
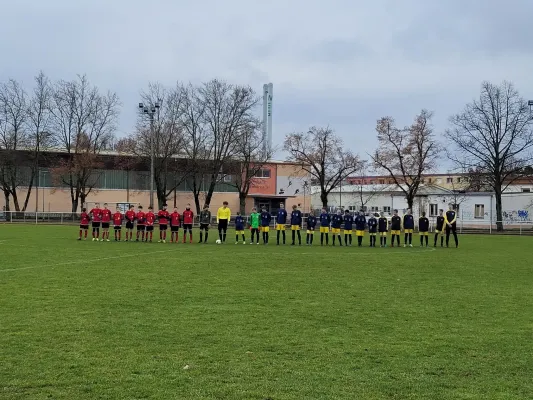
(223, 213)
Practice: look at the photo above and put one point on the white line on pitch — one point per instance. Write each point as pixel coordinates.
(87, 261)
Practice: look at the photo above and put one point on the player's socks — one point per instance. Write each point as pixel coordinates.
(312, 237)
(206, 236)
(243, 238)
(427, 241)
(81, 232)
(421, 240)
(293, 237)
(283, 234)
(299, 238)
(220, 235)
(278, 234)
(333, 240)
(410, 239)
(321, 238)
(327, 238)
(340, 239)
(190, 237)
(360, 240)
(201, 236)
(405, 239)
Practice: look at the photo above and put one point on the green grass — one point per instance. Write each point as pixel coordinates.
(84, 320)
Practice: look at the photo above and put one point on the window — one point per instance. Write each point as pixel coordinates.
(422, 180)
(263, 173)
(433, 210)
(455, 207)
(429, 180)
(479, 211)
(351, 208)
(386, 209)
(526, 190)
(382, 181)
(459, 179)
(374, 209)
(449, 180)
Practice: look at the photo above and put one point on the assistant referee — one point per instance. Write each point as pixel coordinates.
(223, 216)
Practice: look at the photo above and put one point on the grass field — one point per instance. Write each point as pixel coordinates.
(84, 320)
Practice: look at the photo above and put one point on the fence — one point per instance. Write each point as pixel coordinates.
(510, 226)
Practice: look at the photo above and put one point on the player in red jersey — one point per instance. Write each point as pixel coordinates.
(188, 219)
(130, 219)
(150, 219)
(163, 217)
(84, 223)
(117, 224)
(96, 215)
(106, 220)
(140, 223)
(174, 225)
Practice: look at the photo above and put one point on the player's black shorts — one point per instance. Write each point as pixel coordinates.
(174, 228)
(204, 227)
(129, 225)
(149, 228)
(187, 227)
(84, 226)
(222, 224)
(105, 225)
(140, 227)
(162, 227)
(96, 224)
(118, 227)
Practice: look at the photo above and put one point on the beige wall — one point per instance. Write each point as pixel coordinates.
(59, 200)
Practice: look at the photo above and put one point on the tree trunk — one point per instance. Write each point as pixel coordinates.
(15, 199)
(197, 202)
(6, 197)
(324, 198)
(28, 193)
(410, 201)
(210, 191)
(499, 210)
(242, 203)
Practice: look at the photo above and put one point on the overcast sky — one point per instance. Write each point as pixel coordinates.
(345, 63)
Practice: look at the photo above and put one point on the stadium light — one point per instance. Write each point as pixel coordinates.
(530, 104)
(151, 111)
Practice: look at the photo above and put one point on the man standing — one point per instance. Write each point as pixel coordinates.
(96, 215)
(188, 220)
(423, 229)
(325, 220)
(383, 227)
(451, 226)
(360, 225)
(239, 228)
(106, 220)
(281, 220)
(163, 216)
(140, 225)
(336, 223)
(130, 220)
(395, 228)
(296, 225)
(117, 224)
(439, 229)
(254, 225)
(311, 225)
(372, 229)
(265, 224)
(348, 227)
(174, 226)
(408, 228)
(223, 217)
(150, 219)
(205, 221)
(84, 223)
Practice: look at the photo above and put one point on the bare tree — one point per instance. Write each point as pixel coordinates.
(39, 121)
(126, 159)
(493, 136)
(14, 137)
(167, 136)
(249, 160)
(84, 122)
(320, 153)
(227, 113)
(406, 154)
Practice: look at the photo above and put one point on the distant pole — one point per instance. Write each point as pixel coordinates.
(265, 120)
(150, 111)
(269, 126)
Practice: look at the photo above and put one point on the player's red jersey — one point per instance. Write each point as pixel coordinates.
(117, 219)
(84, 219)
(188, 217)
(140, 218)
(149, 218)
(130, 215)
(175, 219)
(163, 217)
(97, 214)
(106, 215)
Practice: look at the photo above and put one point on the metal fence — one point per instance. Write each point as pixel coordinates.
(519, 227)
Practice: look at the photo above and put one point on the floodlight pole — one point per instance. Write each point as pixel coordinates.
(150, 111)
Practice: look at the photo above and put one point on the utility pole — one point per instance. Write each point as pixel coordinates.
(151, 111)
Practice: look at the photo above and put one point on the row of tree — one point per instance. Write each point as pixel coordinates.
(490, 141)
(198, 133)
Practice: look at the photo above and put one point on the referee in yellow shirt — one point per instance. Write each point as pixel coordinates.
(223, 217)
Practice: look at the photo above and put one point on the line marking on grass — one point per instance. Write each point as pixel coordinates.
(87, 261)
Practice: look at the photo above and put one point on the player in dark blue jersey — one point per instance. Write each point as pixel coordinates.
(336, 223)
(239, 228)
(439, 229)
(281, 220)
(395, 228)
(296, 224)
(450, 219)
(408, 228)
(423, 229)
(383, 228)
(311, 225)
(372, 229)
(348, 228)
(360, 224)
(325, 220)
(265, 224)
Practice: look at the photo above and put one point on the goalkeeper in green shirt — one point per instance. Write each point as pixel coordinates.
(254, 224)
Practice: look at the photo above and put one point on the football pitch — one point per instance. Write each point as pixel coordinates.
(92, 320)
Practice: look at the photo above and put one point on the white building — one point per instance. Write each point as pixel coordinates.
(474, 209)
